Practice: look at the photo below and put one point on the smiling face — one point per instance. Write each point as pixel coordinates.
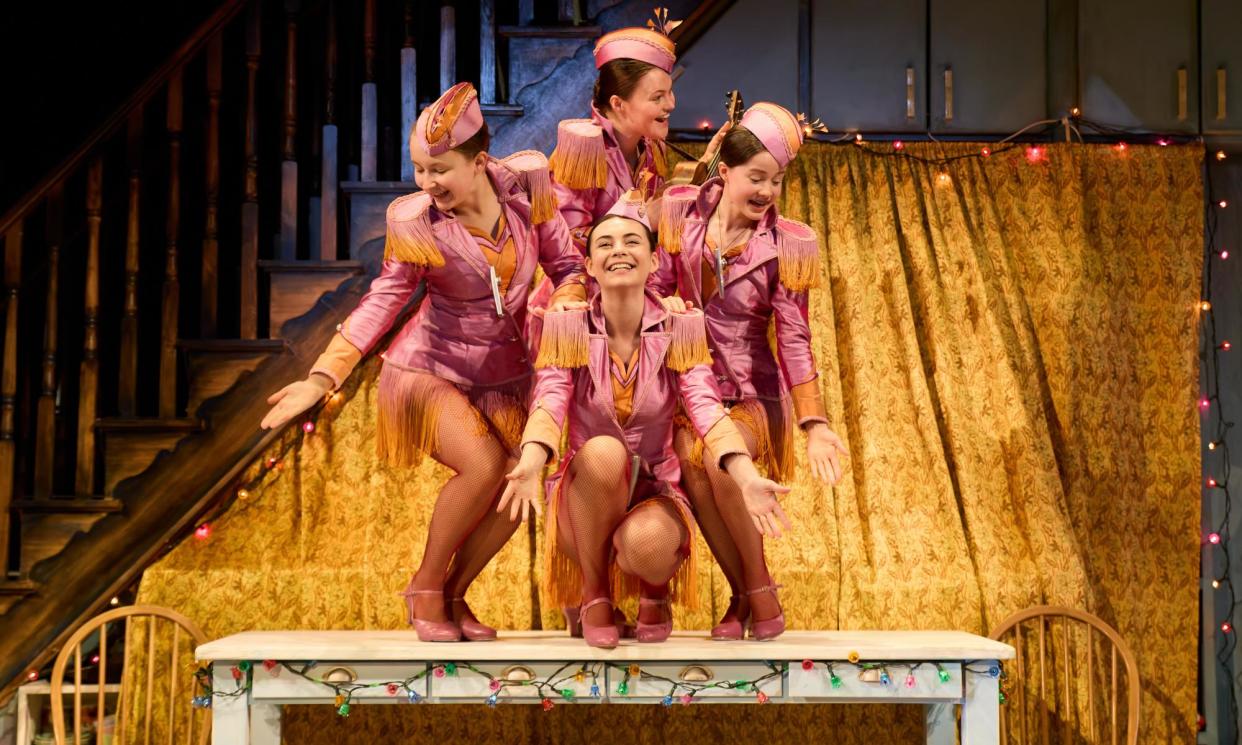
(620, 253)
(752, 186)
(645, 111)
(448, 178)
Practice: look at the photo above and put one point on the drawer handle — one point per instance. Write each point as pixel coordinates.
(517, 674)
(340, 675)
(869, 675)
(695, 674)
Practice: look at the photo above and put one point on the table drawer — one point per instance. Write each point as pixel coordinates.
(288, 685)
(866, 685)
(467, 684)
(657, 678)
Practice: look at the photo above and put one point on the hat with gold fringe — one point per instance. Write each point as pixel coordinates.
(454, 118)
(780, 132)
(651, 44)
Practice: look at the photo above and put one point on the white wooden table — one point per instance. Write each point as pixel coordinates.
(936, 669)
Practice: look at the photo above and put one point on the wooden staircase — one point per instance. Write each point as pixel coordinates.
(156, 293)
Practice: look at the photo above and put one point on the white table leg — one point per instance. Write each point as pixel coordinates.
(981, 708)
(264, 724)
(941, 724)
(230, 723)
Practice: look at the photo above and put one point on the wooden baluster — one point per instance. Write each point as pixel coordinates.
(1043, 688)
(102, 676)
(45, 439)
(210, 281)
(172, 287)
(146, 736)
(289, 166)
(8, 382)
(77, 694)
(250, 188)
(370, 101)
(409, 93)
(1068, 703)
(526, 12)
(174, 673)
(84, 481)
(567, 11)
(487, 51)
(1021, 650)
(127, 379)
(1091, 682)
(122, 699)
(330, 175)
(1113, 690)
(448, 47)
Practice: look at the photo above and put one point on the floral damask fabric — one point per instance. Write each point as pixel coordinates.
(1008, 348)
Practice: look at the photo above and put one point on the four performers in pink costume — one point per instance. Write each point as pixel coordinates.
(669, 402)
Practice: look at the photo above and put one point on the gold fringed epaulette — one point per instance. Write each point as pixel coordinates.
(674, 206)
(531, 169)
(580, 160)
(410, 238)
(688, 346)
(565, 340)
(797, 255)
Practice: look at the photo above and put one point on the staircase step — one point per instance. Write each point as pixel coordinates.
(295, 286)
(131, 443)
(550, 32)
(45, 535)
(68, 505)
(366, 204)
(13, 590)
(213, 366)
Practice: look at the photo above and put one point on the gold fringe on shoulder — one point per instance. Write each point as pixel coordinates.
(674, 207)
(797, 255)
(564, 342)
(688, 346)
(580, 160)
(531, 168)
(410, 238)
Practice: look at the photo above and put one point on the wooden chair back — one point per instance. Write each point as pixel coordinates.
(177, 637)
(1066, 683)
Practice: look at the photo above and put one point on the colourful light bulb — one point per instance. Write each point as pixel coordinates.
(203, 532)
(985, 152)
(898, 144)
(1226, 627)
(1213, 538)
(910, 682)
(308, 427)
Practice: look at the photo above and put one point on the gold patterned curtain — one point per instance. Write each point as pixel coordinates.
(1008, 349)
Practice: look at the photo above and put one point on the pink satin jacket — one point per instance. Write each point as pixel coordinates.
(457, 333)
(582, 207)
(754, 292)
(584, 395)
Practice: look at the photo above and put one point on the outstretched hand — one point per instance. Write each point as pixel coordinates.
(826, 454)
(294, 399)
(760, 496)
(521, 493)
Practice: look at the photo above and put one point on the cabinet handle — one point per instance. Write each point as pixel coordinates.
(948, 94)
(1181, 94)
(517, 674)
(695, 674)
(1220, 93)
(909, 92)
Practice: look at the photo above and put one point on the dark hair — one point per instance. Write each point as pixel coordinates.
(618, 78)
(739, 146)
(651, 238)
(477, 143)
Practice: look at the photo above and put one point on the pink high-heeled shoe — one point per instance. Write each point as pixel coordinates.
(768, 628)
(573, 623)
(651, 633)
(604, 637)
(732, 631)
(429, 631)
(471, 629)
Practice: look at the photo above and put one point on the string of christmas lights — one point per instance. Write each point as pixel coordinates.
(554, 686)
(1216, 472)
